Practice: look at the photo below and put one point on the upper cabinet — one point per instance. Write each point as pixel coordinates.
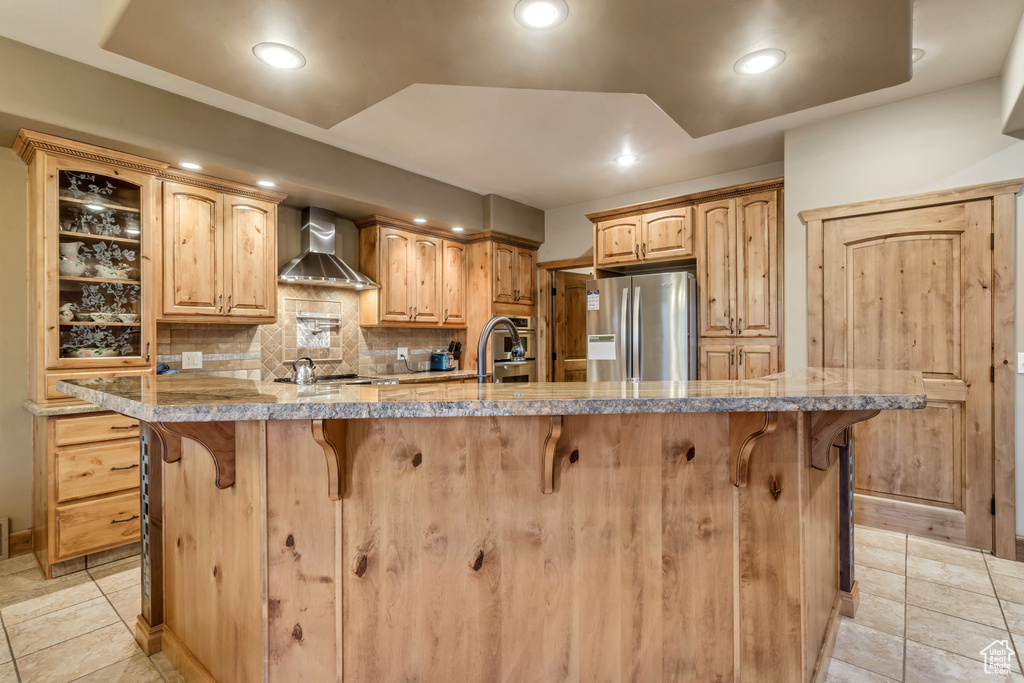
(421, 277)
(515, 274)
(738, 266)
(219, 255)
(663, 235)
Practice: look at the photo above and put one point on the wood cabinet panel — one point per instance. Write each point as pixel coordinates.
(757, 360)
(193, 250)
(525, 275)
(453, 282)
(84, 471)
(97, 525)
(715, 267)
(396, 256)
(717, 362)
(503, 258)
(617, 240)
(426, 280)
(667, 235)
(756, 265)
(250, 257)
(103, 427)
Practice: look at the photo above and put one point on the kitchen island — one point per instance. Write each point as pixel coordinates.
(686, 531)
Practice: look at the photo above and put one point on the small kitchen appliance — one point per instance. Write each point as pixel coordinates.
(442, 360)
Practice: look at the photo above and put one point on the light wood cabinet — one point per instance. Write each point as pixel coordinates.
(737, 266)
(515, 274)
(526, 276)
(421, 277)
(219, 256)
(663, 235)
(723, 361)
(453, 281)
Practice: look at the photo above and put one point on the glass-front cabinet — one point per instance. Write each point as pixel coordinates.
(96, 245)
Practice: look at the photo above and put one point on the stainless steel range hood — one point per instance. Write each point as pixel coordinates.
(317, 262)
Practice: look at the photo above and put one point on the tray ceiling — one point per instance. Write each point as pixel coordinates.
(680, 54)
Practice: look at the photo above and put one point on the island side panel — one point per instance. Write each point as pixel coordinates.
(213, 562)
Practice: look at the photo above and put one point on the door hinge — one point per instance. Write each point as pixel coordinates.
(554, 356)
(993, 505)
(992, 241)
(992, 374)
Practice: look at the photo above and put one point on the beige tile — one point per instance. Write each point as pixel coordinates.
(869, 648)
(983, 609)
(1014, 616)
(947, 574)
(941, 552)
(137, 669)
(5, 650)
(881, 583)
(17, 564)
(880, 613)
(128, 603)
(1009, 588)
(886, 560)
(7, 673)
(117, 576)
(841, 672)
(887, 540)
(930, 665)
(962, 637)
(79, 656)
(57, 627)
(998, 565)
(28, 584)
(36, 607)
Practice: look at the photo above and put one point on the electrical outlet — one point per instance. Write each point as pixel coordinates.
(403, 351)
(191, 360)
(1020, 363)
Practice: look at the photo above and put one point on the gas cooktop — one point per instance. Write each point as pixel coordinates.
(344, 379)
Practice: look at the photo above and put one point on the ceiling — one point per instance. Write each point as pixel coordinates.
(548, 135)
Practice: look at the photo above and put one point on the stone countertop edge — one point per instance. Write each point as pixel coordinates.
(56, 410)
(440, 407)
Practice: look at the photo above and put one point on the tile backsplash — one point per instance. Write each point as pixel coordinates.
(267, 351)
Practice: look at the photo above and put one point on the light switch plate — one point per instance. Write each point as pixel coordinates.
(191, 360)
(403, 351)
(1020, 363)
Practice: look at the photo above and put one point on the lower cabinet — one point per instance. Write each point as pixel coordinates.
(737, 361)
(86, 486)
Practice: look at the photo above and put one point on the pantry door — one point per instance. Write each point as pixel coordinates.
(912, 290)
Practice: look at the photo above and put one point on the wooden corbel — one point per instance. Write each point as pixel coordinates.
(745, 430)
(554, 433)
(216, 438)
(827, 428)
(330, 434)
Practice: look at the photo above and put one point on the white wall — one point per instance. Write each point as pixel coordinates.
(946, 140)
(568, 233)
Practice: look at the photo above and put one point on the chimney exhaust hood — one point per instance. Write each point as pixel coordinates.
(317, 262)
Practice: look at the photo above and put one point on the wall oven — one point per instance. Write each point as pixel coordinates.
(503, 368)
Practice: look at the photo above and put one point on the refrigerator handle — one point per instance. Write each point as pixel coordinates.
(638, 356)
(628, 360)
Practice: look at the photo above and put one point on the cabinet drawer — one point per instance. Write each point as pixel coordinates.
(53, 377)
(93, 470)
(105, 523)
(95, 428)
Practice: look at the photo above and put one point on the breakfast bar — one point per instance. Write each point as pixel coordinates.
(646, 531)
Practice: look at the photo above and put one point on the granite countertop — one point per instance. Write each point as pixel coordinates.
(202, 398)
(53, 410)
(432, 376)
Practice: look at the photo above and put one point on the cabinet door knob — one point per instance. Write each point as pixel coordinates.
(741, 355)
(147, 352)
(130, 467)
(220, 306)
(730, 325)
(636, 250)
(415, 311)
(229, 303)
(122, 521)
(732, 357)
(643, 251)
(410, 312)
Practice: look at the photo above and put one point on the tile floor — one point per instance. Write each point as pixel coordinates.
(926, 612)
(78, 627)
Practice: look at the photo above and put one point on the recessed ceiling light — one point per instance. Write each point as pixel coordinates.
(916, 54)
(266, 183)
(760, 61)
(541, 13)
(192, 166)
(279, 56)
(419, 220)
(457, 228)
(626, 159)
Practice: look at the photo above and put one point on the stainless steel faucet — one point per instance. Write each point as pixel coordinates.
(485, 334)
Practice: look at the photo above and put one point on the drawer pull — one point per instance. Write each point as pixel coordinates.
(128, 427)
(130, 467)
(121, 521)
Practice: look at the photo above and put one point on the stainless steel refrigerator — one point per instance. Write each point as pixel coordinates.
(642, 327)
